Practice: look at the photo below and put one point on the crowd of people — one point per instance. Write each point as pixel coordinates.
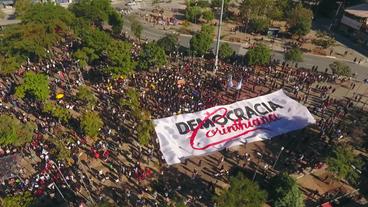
(136, 175)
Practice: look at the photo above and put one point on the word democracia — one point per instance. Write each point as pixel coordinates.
(259, 114)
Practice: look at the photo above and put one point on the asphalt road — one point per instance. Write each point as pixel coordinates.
(361, 70)
(152, 33)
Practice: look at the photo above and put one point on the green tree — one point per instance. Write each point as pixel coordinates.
(60, 113)
(294, 54)
(9, 65)
(300, 20)
(42, 27)
(201, 42)
(136, 28)
(94, 11)
(152, 55)
(169, 43)
(21, 7)
(259, 55)
(201, 3)
(26, 41)
(60, 151)
(94, 44)
(86, 95)
(193, 13)
(225, 51)
(340, 68)
(83, 55)
(20, 200)
(281, 9)
(145, 128)
(120, 58)
(255, 8)
(242, 193)
(142, 116)
(341, 161)
(259, 24)
(209, 29)
(34, 84)
(54, 17)
(208, 15)
(91, 123)
(285, 192)
(13, 132)
(116, 21)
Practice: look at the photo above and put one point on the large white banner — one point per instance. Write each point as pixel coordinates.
(213, 129)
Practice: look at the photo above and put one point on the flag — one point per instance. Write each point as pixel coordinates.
(240, 83)
(230, 81)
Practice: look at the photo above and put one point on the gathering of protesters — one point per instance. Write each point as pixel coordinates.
(185, 85)
(78, 113)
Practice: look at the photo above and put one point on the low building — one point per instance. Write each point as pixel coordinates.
(354, 23)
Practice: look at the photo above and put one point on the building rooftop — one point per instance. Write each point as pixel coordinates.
(360, 10)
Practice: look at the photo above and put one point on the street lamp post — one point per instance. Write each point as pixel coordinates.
(57, 167)
(278, 156)
(218, 36)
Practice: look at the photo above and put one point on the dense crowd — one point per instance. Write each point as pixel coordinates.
(185, 85)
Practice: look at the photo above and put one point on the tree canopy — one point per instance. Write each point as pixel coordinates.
(60, 113)
(285, 192)
(94, 11)
(143, 117)
(294, 54)
(242, 193)
(300, 20)
(225, 51)
(340, 68)
(55, 17)
(255, 8)
(21, 7)
(9, 65)
(116, 21)
(202, 41)
(91, 123)
(20, 200)
(43, 26)
(152, 55)
(259, 24)
(13, 132)
(208, 15)
(86, 95)
(169, 43)
(259, 55)
(119, 57)
(34, 84)
(193, 13)
(94, 43)
(341, 161)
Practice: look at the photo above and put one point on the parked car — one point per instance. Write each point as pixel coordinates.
(5, 3)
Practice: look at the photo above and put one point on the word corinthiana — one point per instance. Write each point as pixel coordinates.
(215, 128)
